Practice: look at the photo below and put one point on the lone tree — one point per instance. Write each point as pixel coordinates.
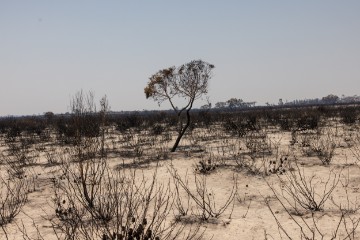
(188, 82)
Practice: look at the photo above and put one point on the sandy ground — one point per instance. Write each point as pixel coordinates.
(248, 216)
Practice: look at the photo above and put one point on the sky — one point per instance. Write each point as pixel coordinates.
(262, 50)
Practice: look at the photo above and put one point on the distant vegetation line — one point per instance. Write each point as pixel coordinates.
(238, 104)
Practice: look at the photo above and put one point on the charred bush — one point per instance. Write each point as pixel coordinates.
(125, 122)
(348, 115)
(237, 128)
(157, 129)
(308, 122)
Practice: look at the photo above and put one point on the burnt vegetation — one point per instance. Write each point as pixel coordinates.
(103, 168)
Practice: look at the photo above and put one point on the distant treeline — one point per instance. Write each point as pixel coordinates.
(234, 103)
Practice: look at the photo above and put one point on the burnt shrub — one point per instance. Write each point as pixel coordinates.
(252, 122)
(125, 122)
(286, 118)
(64, 127)
(5, 124)
(151, 118)
(203, 118)
(348, 115)
(89, 126)
(33, 125)
(30, 126)
(308, 122)
(171, 120)
(286, 124)
(157, 129)
(237, 127)
(69, 128)
(12, 133)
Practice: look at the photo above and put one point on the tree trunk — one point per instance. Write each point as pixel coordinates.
(182, 131)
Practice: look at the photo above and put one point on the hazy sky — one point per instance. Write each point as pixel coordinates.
(262, 50)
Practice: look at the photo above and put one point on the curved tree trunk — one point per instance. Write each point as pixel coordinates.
(183, 130)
